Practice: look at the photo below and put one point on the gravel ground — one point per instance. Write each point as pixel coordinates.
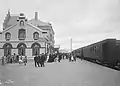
(80, 73)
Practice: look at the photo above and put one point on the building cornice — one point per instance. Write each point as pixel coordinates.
(20, 41)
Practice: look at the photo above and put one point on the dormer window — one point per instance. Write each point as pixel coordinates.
(35, 35)
(22, 34)
(22, 19)
(7, 36)
(21, 23)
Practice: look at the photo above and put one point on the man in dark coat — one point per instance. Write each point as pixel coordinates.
(59, 57)
(39, 58)
(42, 60)
(69, 57)
(50, 58)
(36, 60)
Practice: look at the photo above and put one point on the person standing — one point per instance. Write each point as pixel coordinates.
(39, 59)
(69, 56)
(25, 60)
(42, 60)
(47, 58)
(15, 58)
(59, 57)
(72, 58)
(11, 59)
(3, 60)
(36, 60)
(20, 59)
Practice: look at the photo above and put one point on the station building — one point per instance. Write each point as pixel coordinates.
(25, 37)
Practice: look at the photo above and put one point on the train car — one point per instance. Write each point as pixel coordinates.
(77, 52)
(103, 52)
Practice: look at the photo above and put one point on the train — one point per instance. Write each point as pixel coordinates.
(103, 52)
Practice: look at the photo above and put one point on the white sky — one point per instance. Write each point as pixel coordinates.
(85, 21)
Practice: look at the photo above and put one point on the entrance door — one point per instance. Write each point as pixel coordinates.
(36, 50)
(21, 50)
(7, 49)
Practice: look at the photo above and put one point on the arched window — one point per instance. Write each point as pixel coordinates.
(7, 36)
(21, 23)
(22, 34)
(35, 35)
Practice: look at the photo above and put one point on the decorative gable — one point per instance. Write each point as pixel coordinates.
(21, 20)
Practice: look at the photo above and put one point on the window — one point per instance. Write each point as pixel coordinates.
(94, 49)
(21, 23)
(36, 35)
(22, 34)
(44, 32)
(7, 36)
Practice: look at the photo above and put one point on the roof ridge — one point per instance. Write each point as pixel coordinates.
(40, 21)
(8, 28)
(35, 27)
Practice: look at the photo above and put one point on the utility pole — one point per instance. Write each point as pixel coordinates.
(71, 44)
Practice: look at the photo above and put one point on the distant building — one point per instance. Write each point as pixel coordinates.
(25, 37)
(56, 48)
(64, 51)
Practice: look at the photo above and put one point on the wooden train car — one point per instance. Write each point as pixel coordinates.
(104, 52)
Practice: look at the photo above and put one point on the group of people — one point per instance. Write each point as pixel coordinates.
(14, 59)
(9, 59)
(40, 60)
(23, 59)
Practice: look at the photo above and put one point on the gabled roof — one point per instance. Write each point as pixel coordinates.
(35, 27)
(27, 24)
(38, 22)
(13, 20)
(9, 21)
(8, 28)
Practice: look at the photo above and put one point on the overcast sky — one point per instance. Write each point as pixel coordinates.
(85, 21)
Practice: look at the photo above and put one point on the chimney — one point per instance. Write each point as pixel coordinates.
(36, 15)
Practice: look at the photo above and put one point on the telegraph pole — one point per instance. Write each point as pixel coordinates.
(71, 44)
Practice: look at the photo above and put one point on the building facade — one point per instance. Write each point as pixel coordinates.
(26, 37)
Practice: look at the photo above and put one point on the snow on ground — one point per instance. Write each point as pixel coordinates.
(65, 73)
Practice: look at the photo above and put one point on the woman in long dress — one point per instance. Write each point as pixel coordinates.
(24, 60)
(20, 59)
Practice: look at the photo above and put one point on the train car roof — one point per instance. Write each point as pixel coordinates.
(102, 41)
